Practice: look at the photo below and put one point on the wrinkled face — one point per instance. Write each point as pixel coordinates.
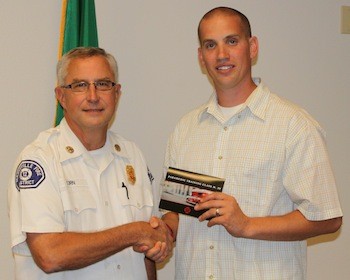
(226, 52)
(91, 110)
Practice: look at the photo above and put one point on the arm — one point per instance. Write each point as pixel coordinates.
(68, 250)
(290, 227)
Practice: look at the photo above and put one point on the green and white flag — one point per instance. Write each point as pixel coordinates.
(78, 29)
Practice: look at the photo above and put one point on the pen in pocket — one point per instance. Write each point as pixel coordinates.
(126, 189)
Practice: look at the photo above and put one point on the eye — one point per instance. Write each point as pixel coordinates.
(232, 41)
(209, 45)
(103, 83)
(79, 85)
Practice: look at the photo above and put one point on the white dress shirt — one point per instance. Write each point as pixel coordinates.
(273, 157)
(58, 186)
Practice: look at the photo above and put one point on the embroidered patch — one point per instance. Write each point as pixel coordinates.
(29, 175)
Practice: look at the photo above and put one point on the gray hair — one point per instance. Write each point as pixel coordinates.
(83, 52)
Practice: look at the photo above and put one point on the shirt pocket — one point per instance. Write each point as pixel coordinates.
(255, 185)
(136, 200)
(79, 206)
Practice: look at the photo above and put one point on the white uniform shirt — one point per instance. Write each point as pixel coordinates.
(273, 158)
(57, 186)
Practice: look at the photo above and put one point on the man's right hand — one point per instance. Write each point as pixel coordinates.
(162, 246)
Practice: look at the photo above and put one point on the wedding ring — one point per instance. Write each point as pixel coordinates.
(217, 212)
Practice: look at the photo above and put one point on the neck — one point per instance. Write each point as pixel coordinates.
(234, 96)
(91, 138)
(93, 141)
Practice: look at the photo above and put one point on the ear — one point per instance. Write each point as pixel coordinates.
(254, 47)
(118, 92)
(60, 96)
(200, 57)
(118, 89)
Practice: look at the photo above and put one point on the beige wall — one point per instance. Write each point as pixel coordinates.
(303, 57)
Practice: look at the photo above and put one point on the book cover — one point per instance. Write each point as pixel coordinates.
(183, 189)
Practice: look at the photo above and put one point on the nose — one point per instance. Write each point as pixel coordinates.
(222, 54)
(91, 94)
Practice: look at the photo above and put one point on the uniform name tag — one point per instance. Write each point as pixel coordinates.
(29, 175)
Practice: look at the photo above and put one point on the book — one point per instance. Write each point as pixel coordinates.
(183, 189)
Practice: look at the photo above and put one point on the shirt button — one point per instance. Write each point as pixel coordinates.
(211, 247)
(220, 157)
(211, 276)
(225, 128)
(118, 266)
(76, 209)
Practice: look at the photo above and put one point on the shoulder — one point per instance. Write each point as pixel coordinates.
(129, 150)
(121, 140)
(296, 121)
(41, 144)
(192, 117)
(34, 161)
(124, 145)
(294, 114)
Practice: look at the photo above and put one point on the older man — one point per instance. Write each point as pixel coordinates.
(81, 196)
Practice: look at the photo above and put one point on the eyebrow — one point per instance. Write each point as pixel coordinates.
(98, 79)
(225, 38)
(208, 40)
(232, 36)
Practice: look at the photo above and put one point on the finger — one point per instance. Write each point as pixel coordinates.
(154, 222)
(213, 196)
(162, 254)
(140, 249)
(211, 214)
(215, 221)
(208, 205)
(207, 215)
(159, 254)
(151, 253)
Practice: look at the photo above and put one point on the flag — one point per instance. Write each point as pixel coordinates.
(78, 29)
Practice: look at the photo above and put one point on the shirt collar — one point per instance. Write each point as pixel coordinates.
(257, 103)
(71, 147)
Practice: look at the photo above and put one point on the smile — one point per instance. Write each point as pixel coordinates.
(225, 67)
(93, 110)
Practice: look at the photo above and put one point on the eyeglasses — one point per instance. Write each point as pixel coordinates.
(82, 86)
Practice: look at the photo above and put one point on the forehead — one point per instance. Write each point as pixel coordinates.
(220, 25)
(89, 67)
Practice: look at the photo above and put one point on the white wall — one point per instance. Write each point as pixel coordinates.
(303, 57)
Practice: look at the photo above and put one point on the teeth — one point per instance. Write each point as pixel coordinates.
(224, 67)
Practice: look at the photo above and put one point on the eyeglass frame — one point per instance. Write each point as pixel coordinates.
(113, 84)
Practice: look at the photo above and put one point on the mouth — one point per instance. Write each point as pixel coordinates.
(224, 67)
(93, 110)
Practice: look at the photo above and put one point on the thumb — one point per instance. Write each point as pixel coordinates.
(154, 222)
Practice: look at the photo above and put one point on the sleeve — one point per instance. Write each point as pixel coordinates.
(309, 178)
(33, 196)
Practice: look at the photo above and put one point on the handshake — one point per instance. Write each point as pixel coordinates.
(155, 239)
